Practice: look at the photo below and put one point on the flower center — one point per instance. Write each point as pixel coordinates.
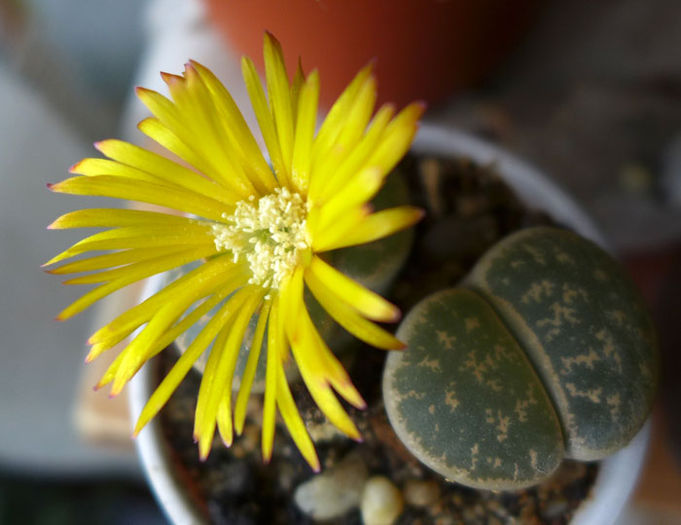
(269, 233)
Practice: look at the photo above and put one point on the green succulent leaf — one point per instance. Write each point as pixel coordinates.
(585, 328)
(464, 398)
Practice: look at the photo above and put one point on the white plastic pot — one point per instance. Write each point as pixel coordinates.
(617, 475)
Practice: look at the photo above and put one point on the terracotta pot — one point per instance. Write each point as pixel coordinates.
(617, 474)
(424, 49)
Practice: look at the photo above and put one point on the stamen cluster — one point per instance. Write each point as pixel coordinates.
(268, 233)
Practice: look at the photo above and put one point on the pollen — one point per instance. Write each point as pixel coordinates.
(268, 233)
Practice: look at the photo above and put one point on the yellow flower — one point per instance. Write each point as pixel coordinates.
(258, 231)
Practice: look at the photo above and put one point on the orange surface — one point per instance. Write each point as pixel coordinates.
(660, 482)
(424, 49)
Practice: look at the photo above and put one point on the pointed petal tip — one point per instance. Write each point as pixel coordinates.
(140, 91)
(170, 78)
(54, 260)
(269, 36)
(74, 167)
(115, 390)
(101, 145)
(142, 123)
(396, 315)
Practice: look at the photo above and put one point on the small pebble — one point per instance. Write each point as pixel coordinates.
(554, 509)
(381, 502)
(334, 492)
(421, 493)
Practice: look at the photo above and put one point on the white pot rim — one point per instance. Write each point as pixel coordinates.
(617, 474)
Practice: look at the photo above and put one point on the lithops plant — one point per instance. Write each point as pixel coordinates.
(546, 351)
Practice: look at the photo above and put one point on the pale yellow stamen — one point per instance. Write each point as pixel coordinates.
(269, 234)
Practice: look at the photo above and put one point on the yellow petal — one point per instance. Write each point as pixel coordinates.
(376, 226)
(332, 178)
(235, 127)
(397, 138)
(89, 298)
(224, 422)
(359, 190)
(112, 260)
(336, 231)
(279, 92)
(305, 127)
(303, 351)
(293, 421)
(183, 365)
(164, 340)
(205, 134)
(110, 217)
(250, 369)
(220, 381)
(161, 263)
(198, 144)
(275, 349)
(265, 119)
(161, 168)
(91, 166)
(161, 235)
(203, 433)
(368, 303)
(351, 320)
(350, 130)
(333, 123)
(160, 133)
(318, 366)
(217, 271)
(296, 86)
(135, 353)
(134, 274)
(142, 191)
(140, 349)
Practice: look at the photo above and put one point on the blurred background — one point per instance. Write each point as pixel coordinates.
(589, 92)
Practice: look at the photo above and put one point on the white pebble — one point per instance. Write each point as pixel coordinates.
(381, 502)
(334, 492)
